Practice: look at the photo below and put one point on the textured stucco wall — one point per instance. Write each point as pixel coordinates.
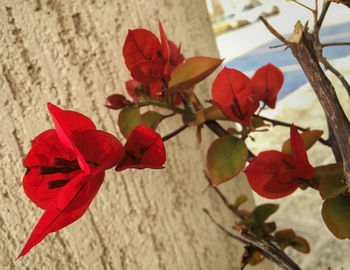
(70, 53)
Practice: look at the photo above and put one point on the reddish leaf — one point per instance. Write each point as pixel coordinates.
(232, 93)
(117, 102)
(267, 82)
(144, 149)
(191, 71)
(300, 244)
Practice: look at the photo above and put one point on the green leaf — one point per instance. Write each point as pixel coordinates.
(151, 119)
(301, 244)
(240, 200)
(226, 157)
(309, 138)
(285, 235)
(330, 169)
(331, 185)
(336, 215)
(192, 71)
(129, 119)
(263, 211)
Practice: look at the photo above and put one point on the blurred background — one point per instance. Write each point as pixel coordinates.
(245, 44)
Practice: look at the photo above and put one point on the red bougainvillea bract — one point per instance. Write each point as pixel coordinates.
(232, 93)
(65, 169)
(267, 82)
(273, 174)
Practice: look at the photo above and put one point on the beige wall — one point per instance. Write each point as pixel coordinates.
(70, 53)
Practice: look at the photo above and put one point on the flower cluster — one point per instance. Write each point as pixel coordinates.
(238, 97)
(66, 167)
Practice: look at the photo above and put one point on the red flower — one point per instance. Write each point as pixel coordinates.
(150, 62)
(232, 93)
(144, 149)
(273, 174)
(147, 58)
(267, 82)
(65, 169)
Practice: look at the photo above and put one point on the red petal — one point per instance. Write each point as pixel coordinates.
(67, 122)
(148, 72)
(271, 175)
(71, 203)
(45, 148)
(176, 57)
(299, 154)
(99, 147)
(267, 82)
(233, 92)
(140, 46)
(165, 52)
(155, 89)
(144, 149)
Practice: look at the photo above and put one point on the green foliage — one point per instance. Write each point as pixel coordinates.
(226, 157)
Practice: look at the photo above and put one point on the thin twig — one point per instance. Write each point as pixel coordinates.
(222, 197)
(174, 133)
(328, 65)
(335, 44)
(275, 122)
(274, 31)
(305, 6)
(325, 7)
(267, 249)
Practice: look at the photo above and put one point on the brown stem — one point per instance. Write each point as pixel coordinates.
(304, 51)
(335, 44)
(223, 198)
(327, 65)
(267, 249)
(275, 122)
(325, 7)
(302, 45)
(274, 31)
(174, 133)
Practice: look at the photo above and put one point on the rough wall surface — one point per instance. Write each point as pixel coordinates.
(70, 53)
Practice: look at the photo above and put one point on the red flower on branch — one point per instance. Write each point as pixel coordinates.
(144, 149)
(267, 82)
(273, 174)
(232, 93)
(65, 169)
(150, 61)
(147, 58)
